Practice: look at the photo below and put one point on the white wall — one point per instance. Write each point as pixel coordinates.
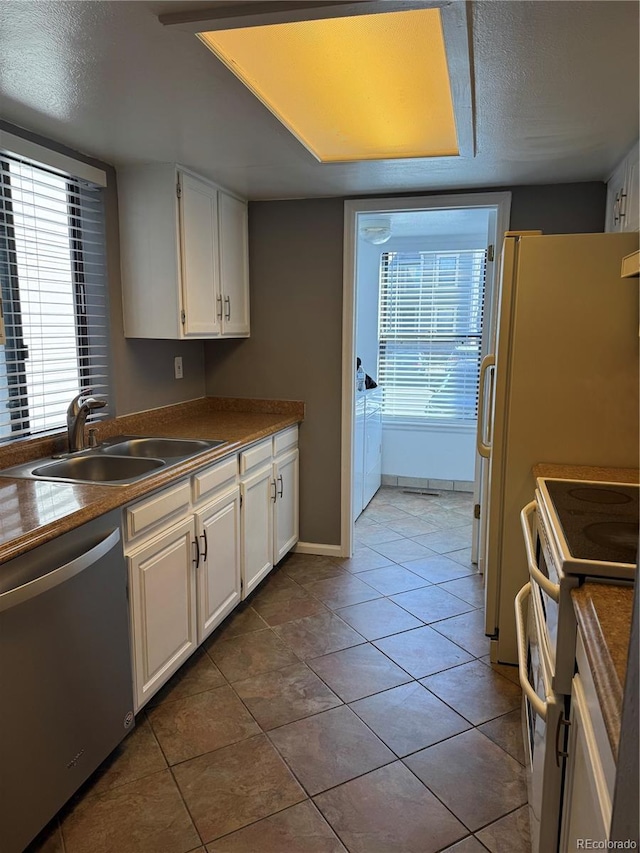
(427, 452)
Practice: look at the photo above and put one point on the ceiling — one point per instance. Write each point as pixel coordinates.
(556, 88)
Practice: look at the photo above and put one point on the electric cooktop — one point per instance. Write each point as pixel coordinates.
(599, 522)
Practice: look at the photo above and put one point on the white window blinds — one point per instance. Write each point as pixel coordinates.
(54, 296)
(430, 328)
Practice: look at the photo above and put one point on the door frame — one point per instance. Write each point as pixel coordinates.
(500, 201)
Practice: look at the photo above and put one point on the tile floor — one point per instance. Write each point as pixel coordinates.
(348, 705)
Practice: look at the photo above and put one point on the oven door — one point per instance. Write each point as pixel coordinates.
(541, 720)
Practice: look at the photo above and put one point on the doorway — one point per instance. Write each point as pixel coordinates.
(419, 297)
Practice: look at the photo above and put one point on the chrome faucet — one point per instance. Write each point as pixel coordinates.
(77, 413)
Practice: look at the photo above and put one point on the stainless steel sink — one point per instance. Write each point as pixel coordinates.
(119, 461)
(162, 448)
(98, 468)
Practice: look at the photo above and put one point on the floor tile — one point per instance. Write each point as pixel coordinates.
(198, 724)
(382, 513)
(472, 776)
(470, 844)
(437, 568)
(376, 533)
(443, 541)
(251, 654)
(404, 550)
(358, 672)
(329, 748)
(378, 618)
(474, 691)
(306, 568)
(506, 731)
(464, 558)
(409, 718)
(389, 811)
(412, 526)
(342, 591)
(198, 674)
(508, 670)
(285, 600)
(363, 558)
(243, 620)
(509, 833)
(144, 816)
(138, 755)
(431, 603)
(467, 631)
(318, 635)
(235, 786)
(392, 579)
(299, 829)
(280, 697)
(422, 651)
(469, 589)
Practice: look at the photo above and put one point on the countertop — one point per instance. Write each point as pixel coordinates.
(34, 512)
(603, 612)
(586, 472)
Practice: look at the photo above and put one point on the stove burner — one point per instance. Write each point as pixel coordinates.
(621, 535)
(599, 496)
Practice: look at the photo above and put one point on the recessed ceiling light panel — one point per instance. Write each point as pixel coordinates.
(370, 87)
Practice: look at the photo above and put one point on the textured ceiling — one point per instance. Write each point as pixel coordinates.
(556, 86)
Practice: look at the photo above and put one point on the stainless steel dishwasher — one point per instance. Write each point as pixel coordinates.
(65, 672)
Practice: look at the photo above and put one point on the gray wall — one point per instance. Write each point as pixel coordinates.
(141, 370)
(294, 351)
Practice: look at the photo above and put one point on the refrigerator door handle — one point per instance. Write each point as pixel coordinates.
(552, 589)
(483, 441)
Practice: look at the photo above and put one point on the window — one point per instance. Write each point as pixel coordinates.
(53, 278)
(430, 328)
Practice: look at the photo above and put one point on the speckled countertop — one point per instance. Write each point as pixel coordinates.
(35, 511)
(603, 612)
(586, 472)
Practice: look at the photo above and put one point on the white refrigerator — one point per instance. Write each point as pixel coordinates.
(560, 385)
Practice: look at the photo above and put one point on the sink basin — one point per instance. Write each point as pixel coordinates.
(98, 469)
(163, 448)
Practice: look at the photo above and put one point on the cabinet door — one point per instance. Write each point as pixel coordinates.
(258, 494)
(632, 206)
(199, 257)
(586, 806)
(285, 524)
(163, 601)
(218, 530)
(234, 265)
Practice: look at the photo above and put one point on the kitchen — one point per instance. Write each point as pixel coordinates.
(283, 359)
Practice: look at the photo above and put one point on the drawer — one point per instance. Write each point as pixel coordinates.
(256, 455)
(285, 440)
(144, 515)
(217, 476)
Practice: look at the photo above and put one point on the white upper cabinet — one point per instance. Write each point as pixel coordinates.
(184, 254)
(623, 202)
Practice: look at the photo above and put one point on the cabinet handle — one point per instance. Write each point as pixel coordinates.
(196, 559)
(219, 309)
(281, 486)
(205, 549)
(227, 302)
(559, 752)
(275, 491)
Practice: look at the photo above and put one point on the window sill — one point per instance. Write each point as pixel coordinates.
(423, 425)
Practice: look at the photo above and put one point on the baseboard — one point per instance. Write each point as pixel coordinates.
(317, 548)
(424, 483)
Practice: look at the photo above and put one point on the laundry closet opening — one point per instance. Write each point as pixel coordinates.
(423, 301)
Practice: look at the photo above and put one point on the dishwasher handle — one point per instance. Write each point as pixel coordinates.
(25, 592)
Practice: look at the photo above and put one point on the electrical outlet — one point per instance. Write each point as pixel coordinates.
(177, 366)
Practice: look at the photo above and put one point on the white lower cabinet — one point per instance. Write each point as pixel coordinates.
(163, 607)
(218, 532)
(195, 548)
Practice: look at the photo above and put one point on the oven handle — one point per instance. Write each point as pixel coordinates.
(552, 589)
(536, 702)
